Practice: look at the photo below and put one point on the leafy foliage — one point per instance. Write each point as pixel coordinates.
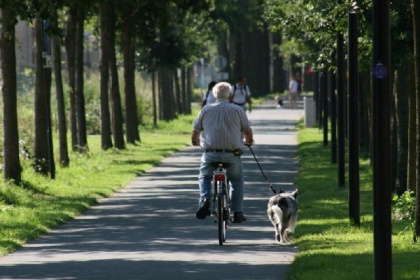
(312, 26)
(170, 34)
(404, 206)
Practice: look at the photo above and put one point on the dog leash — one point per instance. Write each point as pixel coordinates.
(256, 160)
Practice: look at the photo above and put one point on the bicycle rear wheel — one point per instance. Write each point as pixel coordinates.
(221, 223)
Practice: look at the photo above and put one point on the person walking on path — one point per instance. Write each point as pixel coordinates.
(208, 97)
(241, 95)
(222, 126)
(293, 92)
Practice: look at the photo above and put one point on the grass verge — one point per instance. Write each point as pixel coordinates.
(40, 204)
(329, 247)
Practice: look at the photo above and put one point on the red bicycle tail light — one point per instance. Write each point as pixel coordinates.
(219, 177)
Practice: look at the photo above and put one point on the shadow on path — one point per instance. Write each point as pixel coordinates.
(148, 230)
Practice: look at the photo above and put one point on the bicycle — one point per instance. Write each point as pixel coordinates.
(221, 194)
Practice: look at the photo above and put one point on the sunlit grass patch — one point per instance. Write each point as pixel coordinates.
(330, 247)
(40, 204)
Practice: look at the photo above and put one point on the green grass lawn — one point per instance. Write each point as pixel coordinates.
(329, 247)
(40, 204)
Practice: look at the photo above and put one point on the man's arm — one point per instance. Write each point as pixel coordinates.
(248, 100)
(249, 137)
(195, 138)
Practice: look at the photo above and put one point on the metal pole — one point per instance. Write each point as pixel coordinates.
(354, 188)
(381, 100)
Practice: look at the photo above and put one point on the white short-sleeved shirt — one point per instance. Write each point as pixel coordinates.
(209, 97)
(222, 125)
(239, 94)
(293, 86)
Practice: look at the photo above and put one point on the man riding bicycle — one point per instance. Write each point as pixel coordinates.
(223, 127)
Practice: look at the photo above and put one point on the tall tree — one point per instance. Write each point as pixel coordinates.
(279, 75)
(43, 159)
(402, 50)
(106, 141)
(61, 112)
(116, 109)
(402, 111)
(178, 96)
(131, 115)
(411, 168)
(250, 46)
(82, 143)
(166, 29)
(70, 45)
(11, 162)
(416, 33)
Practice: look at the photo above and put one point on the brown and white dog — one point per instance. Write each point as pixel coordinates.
(282, 212)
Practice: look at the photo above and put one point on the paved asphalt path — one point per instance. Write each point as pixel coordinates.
(148, 230)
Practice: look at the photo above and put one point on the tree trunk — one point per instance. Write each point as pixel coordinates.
(393, 134)
(41, 149)
(117, 119)
(106, 141)
(411, 168)
(189, 89)
(184, 91)
(131, 116)
(222, 49)
(166, 97)
(364, 97)
(11, 162)
(70, 44)
(178, 99)
(279, 83)
(402, 94)
(416, 35)
(154, 97)
(259, 51)
(80, 98)
(61, 112)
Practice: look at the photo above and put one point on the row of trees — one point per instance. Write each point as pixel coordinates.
(318, 32)
(162, 38)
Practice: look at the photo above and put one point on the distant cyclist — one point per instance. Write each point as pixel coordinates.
(222, 126)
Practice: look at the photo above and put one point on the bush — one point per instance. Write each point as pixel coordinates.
(404, 206)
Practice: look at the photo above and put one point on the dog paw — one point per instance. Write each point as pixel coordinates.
(278, 239)
(288, 236)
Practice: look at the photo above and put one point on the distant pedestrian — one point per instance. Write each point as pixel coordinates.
(208, 97)
(293, 92)
(241, 95)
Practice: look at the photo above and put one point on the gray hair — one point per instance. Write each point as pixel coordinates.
(221, 90)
